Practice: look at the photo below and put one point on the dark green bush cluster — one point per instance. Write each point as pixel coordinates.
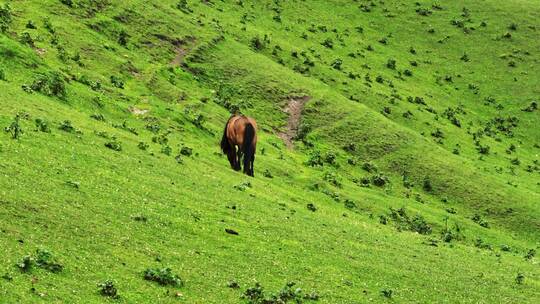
(404, 222)
(52, 84)
(5, 17)
(316, 158)
(107, 289)
(333, 179)
(288, 294)
(184, 7)
(43, 259)
(163, 276)
(114, 145)
(450, 234)
(42, 125)
(259, 44)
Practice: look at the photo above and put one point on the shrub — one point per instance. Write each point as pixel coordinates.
(5, 17)
(25, 264)
(107, 289)
(530, 254)
(186, 151)
(267, 174)
(242, 186)
(404, 222)
(328, 43)
(114, 145)
(46, 260)
(379, 179)
(258, 44)
(391, 64)
(288, 294)
(387, 293)
(183, 6)
(27, 39)
(42, 125)
(450, 234)
(336, 64)
(369, 167)
(15, 127)
(123, 38)
(67, 126)
(52, 84)
(333, 179)
(117, 82)
(311, 207)
(520, 278)
(98, 116)
(163, 276)
(479, 243)
(315, 159)
(427, 184)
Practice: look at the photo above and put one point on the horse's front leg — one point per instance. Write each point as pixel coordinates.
(232, 157)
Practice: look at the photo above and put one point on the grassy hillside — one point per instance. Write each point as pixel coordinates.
(414, 175)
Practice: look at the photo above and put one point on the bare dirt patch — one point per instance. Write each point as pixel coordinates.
(137, 111)
(294, 109)
(181, 52)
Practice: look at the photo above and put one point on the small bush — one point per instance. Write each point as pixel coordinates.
(5, 17)
(242, 186)
(258, 44)
(117, 82)
(379, 179)
(46, 260)
(333, 179)
(183, 6)
(520, 278)
(404, 222)
(328, 43)
(67, 126)
(15, 127)
(530, 254)
(163, 276)
(107, 289)
(451, 234)
(186, 151)
(42, 125)
(114, 145)
(288, 294)
(387, 293)
(27, 39)
(25, 264)
(391, 64)
(315, 159)
(427, 185)
(267, 174)
(52, 84)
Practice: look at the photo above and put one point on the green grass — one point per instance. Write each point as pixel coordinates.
(110, 214)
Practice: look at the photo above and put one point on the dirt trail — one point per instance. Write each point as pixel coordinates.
(294, 109)
(181, 52)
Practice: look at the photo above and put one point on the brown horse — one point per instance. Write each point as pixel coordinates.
(240, 131)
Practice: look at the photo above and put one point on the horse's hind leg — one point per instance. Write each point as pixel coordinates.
(238, 160)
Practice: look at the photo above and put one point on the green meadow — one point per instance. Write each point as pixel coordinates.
(397, 157)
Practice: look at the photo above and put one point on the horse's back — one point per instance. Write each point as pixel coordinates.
(237, 127)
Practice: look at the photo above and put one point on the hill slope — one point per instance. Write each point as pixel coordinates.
(413, 176)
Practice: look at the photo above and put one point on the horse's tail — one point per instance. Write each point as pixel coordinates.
(249, 148)
(225, 145)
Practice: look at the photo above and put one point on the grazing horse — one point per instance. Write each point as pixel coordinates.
(240, 131)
